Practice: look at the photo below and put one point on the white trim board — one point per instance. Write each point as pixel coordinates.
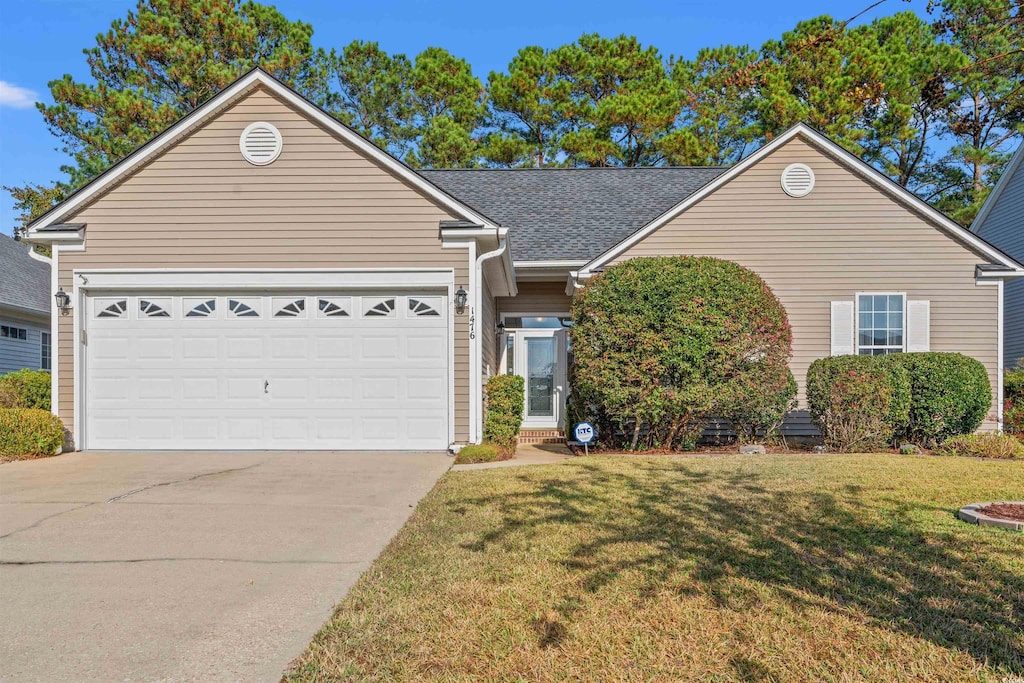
(866, 171)
(240, 87)
(263, 278)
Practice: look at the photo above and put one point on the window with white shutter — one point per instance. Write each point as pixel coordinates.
(918, 325)
(842, 328)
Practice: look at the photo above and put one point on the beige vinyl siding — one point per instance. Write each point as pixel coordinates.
(488, 335)
(322, 204)
(845, 237)
(1003, 226)
(536, 297)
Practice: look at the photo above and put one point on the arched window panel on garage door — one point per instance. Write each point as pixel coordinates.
(154, 308)
(111, 308)
(334, 306)
(239, 307)
(289, 307)
(425, 306)
(379, 307)
(199, 307)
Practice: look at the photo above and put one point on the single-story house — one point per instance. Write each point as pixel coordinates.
(25, 336)
(1001, 223)
(260, 276)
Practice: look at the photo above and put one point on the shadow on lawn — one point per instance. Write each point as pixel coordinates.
(824, 549)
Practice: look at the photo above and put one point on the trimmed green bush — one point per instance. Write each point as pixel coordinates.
(757, 412)
(949, 395)
(1013, 402)
(504, 411)
(29, 432)
(858, 402)
(662, 344)
(999, 446)
(25, 389)
(480, 452)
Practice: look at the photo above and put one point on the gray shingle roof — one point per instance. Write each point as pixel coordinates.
(572, 213)
(24, 281)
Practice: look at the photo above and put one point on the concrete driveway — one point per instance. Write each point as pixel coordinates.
(188, 566)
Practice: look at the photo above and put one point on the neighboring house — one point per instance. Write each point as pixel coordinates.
(1001, 223)
(260, 276)
(24, 307)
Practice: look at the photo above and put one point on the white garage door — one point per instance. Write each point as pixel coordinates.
(287, 371)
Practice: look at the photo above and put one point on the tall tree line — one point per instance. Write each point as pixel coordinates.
(935, 103)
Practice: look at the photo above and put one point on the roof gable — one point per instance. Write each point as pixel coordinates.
(1013, 167)
(882, 183)
(239, 89)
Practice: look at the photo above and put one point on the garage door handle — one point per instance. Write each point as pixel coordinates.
(266, 385)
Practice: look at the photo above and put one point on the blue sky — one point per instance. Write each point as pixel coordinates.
(40, 40)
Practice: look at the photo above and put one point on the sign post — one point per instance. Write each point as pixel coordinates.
(585, 433)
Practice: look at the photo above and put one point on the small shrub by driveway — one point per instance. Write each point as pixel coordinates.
(29, 433)
(25, 389)
(483, 452)
(787, 568)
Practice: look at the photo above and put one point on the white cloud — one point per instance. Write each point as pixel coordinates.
(18, 98)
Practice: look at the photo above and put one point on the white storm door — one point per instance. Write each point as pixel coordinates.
(540, 360)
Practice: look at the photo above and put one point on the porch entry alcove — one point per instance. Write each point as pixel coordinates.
(537, 347)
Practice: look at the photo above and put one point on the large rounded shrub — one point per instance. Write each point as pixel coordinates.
(25, 389)
(949, 395)
(858, 402)
(661, 344)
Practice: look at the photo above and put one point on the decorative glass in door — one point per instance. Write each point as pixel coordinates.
(541, 366)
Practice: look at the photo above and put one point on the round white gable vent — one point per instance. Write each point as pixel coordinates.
(260, 143)
(797, 180)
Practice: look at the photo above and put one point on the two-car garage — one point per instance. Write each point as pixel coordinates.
(303, 368)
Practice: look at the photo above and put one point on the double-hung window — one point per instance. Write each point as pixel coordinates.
(44, 347)
(881, 324)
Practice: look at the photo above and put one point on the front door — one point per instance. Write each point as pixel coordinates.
(540, 360)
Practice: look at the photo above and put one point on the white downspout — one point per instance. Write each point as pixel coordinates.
(476, 348)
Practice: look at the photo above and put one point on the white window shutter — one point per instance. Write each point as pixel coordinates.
(918, 326)
(842, 328)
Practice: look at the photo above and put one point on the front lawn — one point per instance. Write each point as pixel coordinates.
(739, 568)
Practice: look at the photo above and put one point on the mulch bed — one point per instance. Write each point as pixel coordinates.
(1010, 511)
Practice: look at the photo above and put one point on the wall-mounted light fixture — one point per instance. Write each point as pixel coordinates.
(461, 297)
(63, 301)
(500, 328)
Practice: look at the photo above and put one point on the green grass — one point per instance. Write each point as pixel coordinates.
(779, 568)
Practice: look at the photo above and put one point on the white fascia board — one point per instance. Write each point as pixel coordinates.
(236, 89)
(263, 279)
(855, 164)
(54, 237)
(999, 275)
(1015, 162)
